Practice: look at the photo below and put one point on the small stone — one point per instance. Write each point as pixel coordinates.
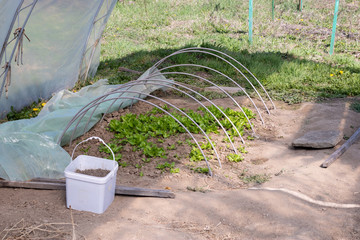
(318, 139)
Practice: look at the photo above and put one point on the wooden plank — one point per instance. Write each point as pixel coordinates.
(333, 157)
(143, 192)
(33, 185)
(59, 184)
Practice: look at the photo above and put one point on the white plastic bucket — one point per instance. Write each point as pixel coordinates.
(90, 193)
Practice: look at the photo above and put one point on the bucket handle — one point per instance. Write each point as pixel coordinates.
(90, 138)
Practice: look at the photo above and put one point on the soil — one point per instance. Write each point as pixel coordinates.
(223, 206)
(94, 172)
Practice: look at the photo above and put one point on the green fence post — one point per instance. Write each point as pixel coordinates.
(250, 20)
(332, 43)
(273, 10)
(300, 5)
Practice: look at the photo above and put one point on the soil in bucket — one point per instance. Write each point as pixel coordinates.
(94, 172)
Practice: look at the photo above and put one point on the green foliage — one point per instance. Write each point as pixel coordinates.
(172, 147)
(174, 170)
(232, 157)
(168, 166)
(136, 130)
(123, 164)
(201, 170)
(114, 147)
(206, 146)
(288, 55)
(242, 149)
(28, 112)
(85, 150)
(196, 155)
(146, 160)
(355, 106)
(257, 178)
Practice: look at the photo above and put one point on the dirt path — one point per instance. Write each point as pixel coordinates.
(227, 210)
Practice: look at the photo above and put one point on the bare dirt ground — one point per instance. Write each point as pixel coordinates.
(222, 206)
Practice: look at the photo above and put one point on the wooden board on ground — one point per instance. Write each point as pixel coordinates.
(333, 157)
(58, 184)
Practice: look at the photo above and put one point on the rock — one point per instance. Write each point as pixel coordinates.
(318, 139)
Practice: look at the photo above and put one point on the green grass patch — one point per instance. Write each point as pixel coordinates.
(289, 55)
(355, 106)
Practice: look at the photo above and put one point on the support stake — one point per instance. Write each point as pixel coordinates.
(250, 21)
(336, 11)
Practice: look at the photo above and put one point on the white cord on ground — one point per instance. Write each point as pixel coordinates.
(308, 199)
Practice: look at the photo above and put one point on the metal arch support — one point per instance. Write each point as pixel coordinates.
(222, 74)
(227, 94)
(187, 88)
(216, 119)
(85, 109)
(247, 70)
(178, 109)
(223, 59)
(143, 100)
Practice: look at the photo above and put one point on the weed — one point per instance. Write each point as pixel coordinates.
(28, 112)
(172, 147)
(196, 189)
(232, 157)
(190, 143)
(168, 166)
(200, 170)
(196, 155)
(85, 150)
(355, 106)
(123, 164)
(257, 178)
(250, 138)
(146, 160)
(242, 149)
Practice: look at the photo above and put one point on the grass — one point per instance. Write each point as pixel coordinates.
(289, 55)
(355, 106)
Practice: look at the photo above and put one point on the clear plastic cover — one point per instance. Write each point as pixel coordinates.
(29, 147)
(61, 47)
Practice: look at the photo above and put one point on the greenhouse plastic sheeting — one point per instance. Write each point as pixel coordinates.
(28, 147)
(64, 45)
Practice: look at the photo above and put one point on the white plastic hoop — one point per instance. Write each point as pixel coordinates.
(90, 138)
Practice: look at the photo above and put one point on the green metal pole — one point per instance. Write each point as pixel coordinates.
(250, 20)
(332, 43)
(300, 5)
(273, 10)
